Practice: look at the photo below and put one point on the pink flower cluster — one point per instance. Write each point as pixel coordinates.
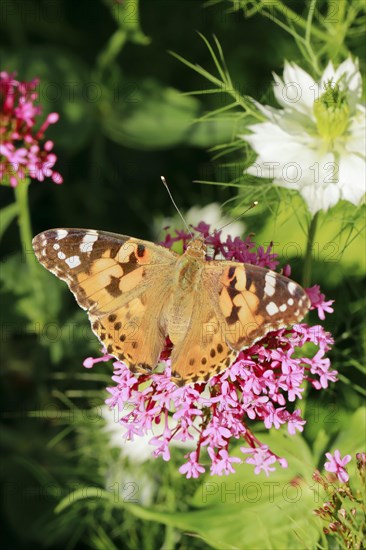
(261, 385)
(21, 152)
(336, 465)
(318, 302)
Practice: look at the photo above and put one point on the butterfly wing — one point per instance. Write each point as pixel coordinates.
(252, 301)
(200, 349)
(236, 305)
(122, 282)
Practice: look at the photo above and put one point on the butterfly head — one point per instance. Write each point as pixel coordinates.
(197, 248)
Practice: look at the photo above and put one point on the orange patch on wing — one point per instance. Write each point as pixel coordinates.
(247, 300)
(131, 280)
(100, 276)
(225, 302)
(241, 279)
(125, 251)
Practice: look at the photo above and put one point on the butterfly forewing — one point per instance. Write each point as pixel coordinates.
(116, 279)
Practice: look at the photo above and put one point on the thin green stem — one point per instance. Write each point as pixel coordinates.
(309, 20)
(112, 49)
(25, 229)
(306, 280)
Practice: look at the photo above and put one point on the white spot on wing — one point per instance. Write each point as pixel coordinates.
(270, 280)
(291, 287)
(86, 244)
(56, 246)
(61, 255)
(73, 261)
(61, 234)
(290, 302)
(272, 308)
(283, 307)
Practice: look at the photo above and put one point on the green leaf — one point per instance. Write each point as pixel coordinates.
(81, 494)
(211, 132)
(16, 282)
(338, 241)
(253, 512)
(7, 215)
(153, 117)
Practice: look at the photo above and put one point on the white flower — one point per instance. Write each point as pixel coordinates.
(210, 214)
(316, 142)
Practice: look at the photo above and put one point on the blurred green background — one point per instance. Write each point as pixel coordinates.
(105, 67)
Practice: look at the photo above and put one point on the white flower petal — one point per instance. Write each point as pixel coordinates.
(352, 178)
(353, 79)
(356, 140)
(295, 154)
(278, 90)
(270, 112)
(299, 89)
(330, 195)
(320, 198)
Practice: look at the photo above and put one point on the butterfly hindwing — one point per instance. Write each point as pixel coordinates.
(116, 278)
(200, 349)
(253, 300)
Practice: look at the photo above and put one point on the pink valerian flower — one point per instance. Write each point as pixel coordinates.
(22, 151)
(336, 465)
(192, 468)
(317, 300)
(261, 385)
(262, 458)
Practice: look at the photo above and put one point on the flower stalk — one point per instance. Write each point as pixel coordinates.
(308, 260)
(25, 230)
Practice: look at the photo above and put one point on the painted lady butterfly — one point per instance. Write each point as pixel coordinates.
(137, 293)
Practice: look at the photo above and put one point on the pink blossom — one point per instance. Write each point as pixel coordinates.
(317, 300)
(261, 385)
(22, 152)
(89, 362)
(191, 468)
(222, 462)
(336, 465)
(262, 458)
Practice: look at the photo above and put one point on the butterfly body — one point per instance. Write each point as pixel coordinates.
(138, 293)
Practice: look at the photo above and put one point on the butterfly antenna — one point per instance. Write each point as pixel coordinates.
(175, 206)
(255, 203)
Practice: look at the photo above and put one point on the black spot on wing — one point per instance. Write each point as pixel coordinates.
(233, 317)
(249, 279)
(233, 282)
(130, 265)
(231, 272)
(113, 287)
(232, 292)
